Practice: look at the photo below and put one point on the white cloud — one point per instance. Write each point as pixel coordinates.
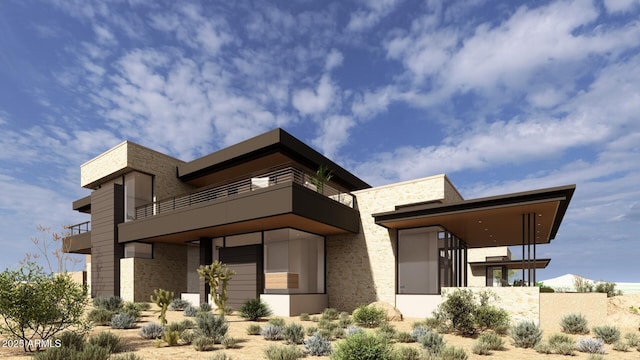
(334, 59)
(309, 101)
(333, 133)
(618, 6)
(104, 35)
(373, 12)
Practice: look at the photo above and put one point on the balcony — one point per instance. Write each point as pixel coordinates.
(281, 176)
(78, 239)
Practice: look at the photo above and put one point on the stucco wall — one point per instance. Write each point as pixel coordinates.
(167, 270)
(553, 306)
(361, 268)
(477, 276)
(522, 303)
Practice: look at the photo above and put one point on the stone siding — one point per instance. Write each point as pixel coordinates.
(167, 270)
(553, 306)
(361, 268)
(522, 303)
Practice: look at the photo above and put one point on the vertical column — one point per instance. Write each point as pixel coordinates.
(206, 258)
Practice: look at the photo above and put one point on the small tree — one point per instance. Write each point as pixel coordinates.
(162, 298)
(322, 175)
(51, 248)
(217, 275)
(36, 306)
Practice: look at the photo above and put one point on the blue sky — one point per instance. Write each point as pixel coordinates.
(501, 96)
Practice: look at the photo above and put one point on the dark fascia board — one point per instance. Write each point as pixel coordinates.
(514, 264)
(83, 204)
(276, 140)
(564, 193)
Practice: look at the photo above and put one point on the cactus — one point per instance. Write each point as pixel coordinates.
(162, 299)
(217, 275)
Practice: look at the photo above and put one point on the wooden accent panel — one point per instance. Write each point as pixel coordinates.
(282, 281)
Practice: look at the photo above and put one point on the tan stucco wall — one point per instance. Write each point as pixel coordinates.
(476, 276)
(167, 270)
(361, 268)
(553, 306)
(522, 303)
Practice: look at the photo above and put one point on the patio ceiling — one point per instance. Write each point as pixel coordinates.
(490, 221)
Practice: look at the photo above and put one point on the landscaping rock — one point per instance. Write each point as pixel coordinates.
(392, 313)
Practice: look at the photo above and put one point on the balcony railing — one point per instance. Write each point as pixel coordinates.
(79, 228)
(280, 176)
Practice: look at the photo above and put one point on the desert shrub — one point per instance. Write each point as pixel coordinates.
(590, 345)
(574, 324)
(582, 285)
(369, 316)
(178, 304)
(608, 334)
(404, 337)
(327, 324)
(123, 321)
(564, 348)
(143, 306)
(387, 329)
(203, 343)
(205, 307)
(92, 352)
(330, 314)
(112, 342)
(608, 288)
(452, 353)
(344, 321)
(254, 309)
(179, 326)
(187, 336)
(433, 323)
(480, 348)
(419, 331)
(407, 353)
(191, 311)
(100, 316)
(526, 334)
(111, 303)
(318, 345)
(229, 342)
(491, 317)
(151, 331)
(493, 341)
(278, 352)
(254, 329)
(432, 342)
(228, 310)
(271, 332)
(305, 317)
(353, 329)
(127, 356)
(71, 340)
(620, 346)
(315, 318)
(543, 348)
(363, 346)
(632, 339)
(171, 337)
(277, 321)
(596, 357)
(293, 333)
(560, 338)
(459, 308)
(310, 330)
(212, 326)
(220, 356)
(56, 353)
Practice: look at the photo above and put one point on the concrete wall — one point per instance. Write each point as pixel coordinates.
(167, 270)
(522, 303)
(553, 306)
(361, 268)
(417, 306)
(295, 304)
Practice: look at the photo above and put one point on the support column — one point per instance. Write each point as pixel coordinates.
(206, 258)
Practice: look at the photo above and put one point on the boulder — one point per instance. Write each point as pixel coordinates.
(390, 311)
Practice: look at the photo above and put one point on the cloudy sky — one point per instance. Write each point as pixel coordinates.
(501, 96)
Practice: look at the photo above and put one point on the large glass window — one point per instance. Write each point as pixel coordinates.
(293, 262)
(138, 191)
(428, 259)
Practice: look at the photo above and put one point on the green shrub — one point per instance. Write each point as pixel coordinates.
(151, 331)
(212, 326)
(311, 330)
(315, 318)
(271, 332)
(330, 314)
(404, 337)
(481, 348)
(179, 326)
(574, 324)
(407, 353)
(220, 356)
(590, 345)
(142, 306)
(56, 353)
(188, 335)
(229, 342)
(254, 329)
(327, 324)
(203, 343)
(277, 321)
(608, 288)
(92, 352)
(493, 341)
(369, 316)
(111, 303)
(127, 356)
(452, 353)
(564, 348)
(228, 310)
(279, 352)
(123, 321)
(632, 339)
(556, 339)
(596, 357)
(419, 331)
(620, 346)
(491, 317)
(71, 339)
(526, 334)
(459, 308)
(344, 321)
(363, 346)
(608, 334)
(112, 342)
(543, 348)
(100, 316)
(191, 311)
(318, 345)
(205, 307)
(353, 329)
(432, 342)
(387, 329)
(293, 333)
(171, 337)
(178, 304)
(254, 309)
(305, 317)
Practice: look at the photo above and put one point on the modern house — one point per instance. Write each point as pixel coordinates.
(298, 241)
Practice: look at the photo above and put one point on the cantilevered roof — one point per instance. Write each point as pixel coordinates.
(261, 146)
(490, 221)
(514, 264)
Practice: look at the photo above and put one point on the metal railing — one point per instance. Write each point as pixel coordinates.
(80, 228)
(280, 176)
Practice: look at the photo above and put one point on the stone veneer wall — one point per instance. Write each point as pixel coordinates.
(361, 268)
(522, 303)
(553, 306)
(167, 270)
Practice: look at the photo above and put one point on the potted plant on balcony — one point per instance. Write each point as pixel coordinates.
(322, 175)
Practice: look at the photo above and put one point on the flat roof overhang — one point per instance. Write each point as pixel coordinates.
(83, 205)
(269, 144)
(77, 244)
(277, 206)
(489, 221)
(514, 264)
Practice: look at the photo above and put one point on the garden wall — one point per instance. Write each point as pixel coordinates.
(553, 306)
(522, 303)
